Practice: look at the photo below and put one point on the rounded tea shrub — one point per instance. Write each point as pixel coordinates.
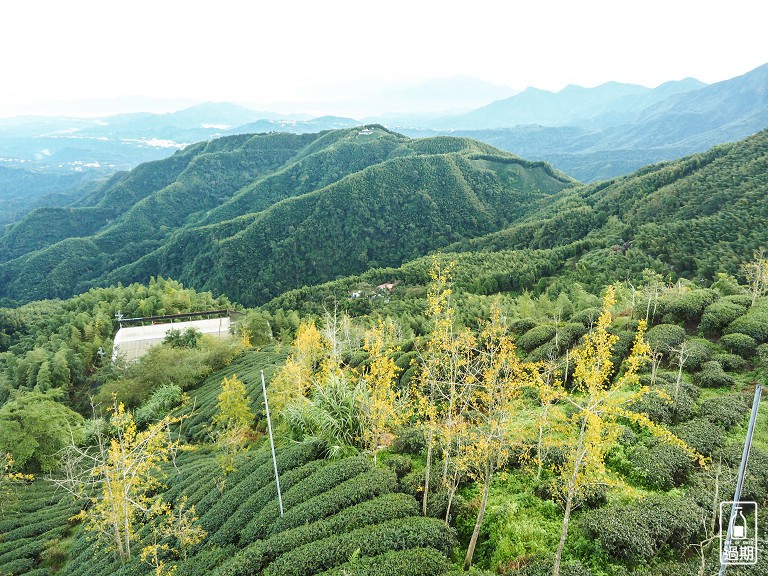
(664, 337)
(727, 411)
(701, 434)
(535, 337)
(713, 376)
(738, 343)
(638, 531)
(719, 315)
(754, 323)
(730, 361)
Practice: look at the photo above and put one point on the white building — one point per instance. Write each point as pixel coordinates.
(132, 342)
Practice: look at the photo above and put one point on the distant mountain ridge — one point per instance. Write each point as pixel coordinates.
(608, 131)
(255, 215)
(607, 104)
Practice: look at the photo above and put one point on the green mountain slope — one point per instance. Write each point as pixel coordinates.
(694, 217)
(279, 211)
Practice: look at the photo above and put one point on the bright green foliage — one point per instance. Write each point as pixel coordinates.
(34, 426)
(234, 406)
(754, 323)
(412, 562)
(687, 306)
(718, 315)
(664, 337)
(740, 344)
(370, 541)
(160, 403)
(188, 338)
(639, 530)
(712, 375)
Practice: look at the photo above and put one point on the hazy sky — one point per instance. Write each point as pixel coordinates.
(283, 52)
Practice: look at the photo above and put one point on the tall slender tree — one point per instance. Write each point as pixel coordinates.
(601, 401)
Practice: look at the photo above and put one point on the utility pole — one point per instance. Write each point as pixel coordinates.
(272, 443)
(742, 473)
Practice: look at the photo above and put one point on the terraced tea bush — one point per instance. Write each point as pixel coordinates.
(701, 434)
(535, 337)
(664, 337)
(753, 323)
(638, 531)
(257, 555)
(730, 362)
(659, 465)
(719, 315)
(727, 410)
(230, 530)
(362, 487)
(413, 562)
(322, 480)
(712, 375)
(401, 534)
(688, 306)
(738, 343)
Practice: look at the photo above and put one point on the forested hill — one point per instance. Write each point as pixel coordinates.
(693, 218)
(255, 215)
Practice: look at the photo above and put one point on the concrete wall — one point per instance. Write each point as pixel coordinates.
(133, 342)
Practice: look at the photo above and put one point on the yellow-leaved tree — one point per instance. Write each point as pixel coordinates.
(385, 409)
(495, 411)
(232, 423)
(294, 379)
(756, 273)
(444, 388)
(601, 402)
(9, 481)
(120, 475)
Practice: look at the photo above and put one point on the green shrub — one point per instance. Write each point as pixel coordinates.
(535, 337)
(254, 557)
(727, 410)
(756, 479)
(664, 337)
(160, 402)
(638, 531)
(189, 338)
(205, 560)
(413, 562)
(262, 477)
(730, 361)
(754, 323)
(688, 306)
(229, 532)
(667, 411)
(543, 567)
(405, 360)
(712, 375)
(699, 351)
(659, 465)
(737, 343)
(719, 315)
(324, 479)
(761, 356)
(701, 434)
(362, 487)
(401, 534)
(409, 441)
(542, 353)
(586, 317)
(519, 327)
(400, 465)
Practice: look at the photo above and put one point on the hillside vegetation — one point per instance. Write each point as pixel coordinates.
(281, 210)
(569, 361)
